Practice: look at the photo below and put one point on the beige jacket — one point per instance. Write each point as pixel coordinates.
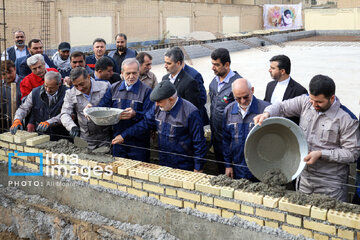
(75, 102)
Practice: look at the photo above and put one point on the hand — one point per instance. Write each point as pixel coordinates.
(117, 140)
(312, 157)
(258, 119)
(75, 132)
(15, 126)
(30, 127)
(43, 127)
(67, 81)
(199, 171)
(87, 106)
(128, 113)
(229, 172)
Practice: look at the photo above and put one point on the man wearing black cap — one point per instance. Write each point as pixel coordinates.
(61, 59)
(180, 131)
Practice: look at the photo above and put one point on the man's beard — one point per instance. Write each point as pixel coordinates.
(20, 43)
(121, 49)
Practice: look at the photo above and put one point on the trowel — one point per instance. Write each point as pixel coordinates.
(80, 143)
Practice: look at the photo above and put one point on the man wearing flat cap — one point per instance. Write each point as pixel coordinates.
(180, 131)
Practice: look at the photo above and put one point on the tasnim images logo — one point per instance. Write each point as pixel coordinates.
(55, 164)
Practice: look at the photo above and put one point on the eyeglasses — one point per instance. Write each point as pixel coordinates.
(244, 97)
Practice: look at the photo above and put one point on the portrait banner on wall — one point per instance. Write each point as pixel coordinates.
(281, 16)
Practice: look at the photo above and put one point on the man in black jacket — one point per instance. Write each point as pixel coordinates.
(185, 85)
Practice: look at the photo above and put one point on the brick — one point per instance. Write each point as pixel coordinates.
(285, 205)
(155, 176)
(107, 184)
(351, 220)
(20, 148)
(31, 166)
(207, 199)
(7, 137)
(270, 202)
(297, 221)
(189, 196)
(335, 238)
(37, 140)
(31, 149)
(175, 177)
(99, 175)
(122, 180)
(136, 184)
(272, 224)
(227, 192)
(3, 158)
(172, 201)
(204, 186)
(122, 188)
(154, 196)
(226, 214)
(122, 165)
(247, 209)
(153, 188)
(94, 181)
(270, 214)
(321, 227)
(12, 146)
(248, 197)
(80, 178)
(22, 136)
(170, 191)
(189, 205)
(297, 231)
(227, 204)
(137, 192)
(142, 170)
(108, 177)
(22, 157)
(4, 144)
(3, 152)
(318, 213)
(251, 219)
(92, 163)
(83, 162)
(318, 236)
(189, 182)
(205, 209)
(347, 234)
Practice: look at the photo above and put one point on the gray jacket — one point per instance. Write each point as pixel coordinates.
(75, 102)
(335, 133)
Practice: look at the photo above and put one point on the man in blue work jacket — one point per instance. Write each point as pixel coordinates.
(132, 96)
(236, 120)
(180, 130)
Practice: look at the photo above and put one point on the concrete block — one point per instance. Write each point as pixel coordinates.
(137, 192)
(190, 196)
(155, 175)
(121, 180)
(207, 199)
(297, 221)
(247, 209)
(122, 188)
(7, 137)
(94, 181)
(172, 201)
(142, 170)
(346, 234)
(318, 213)
(227, 192)
(227, 204)
(272, 224)
(351, 220)
(318, 236)
(154, 196)
(153, 188)
(226, 214)
(20, 148)
(170, 192)
(206, 209)
(107, 184)
(285, 205)
(189, 182)
(248, 197)
(136, 184)
(4, 144)
(189, 205)
(22, 136)
(31, 149)
(251, 219)
(37, 140)
(271, 202)
(320, 227)
(204, 186)
(296, 231)
(270, 214)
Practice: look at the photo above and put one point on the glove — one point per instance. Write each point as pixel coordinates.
(43, 127)
(30, 127)
(15, 126)
(75, 132)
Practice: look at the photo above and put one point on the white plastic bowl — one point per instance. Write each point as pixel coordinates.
(104, 116)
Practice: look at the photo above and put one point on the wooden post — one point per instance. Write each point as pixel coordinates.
(13, 100)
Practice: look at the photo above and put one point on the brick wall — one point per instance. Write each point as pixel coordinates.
(188, 189)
